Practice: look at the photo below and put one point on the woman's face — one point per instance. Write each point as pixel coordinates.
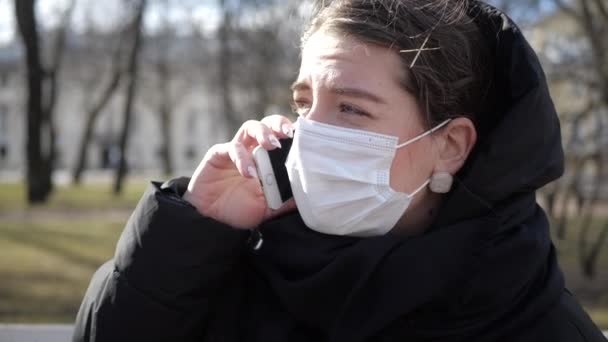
(349, 83)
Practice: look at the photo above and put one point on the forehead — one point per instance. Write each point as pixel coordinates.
(332, 57)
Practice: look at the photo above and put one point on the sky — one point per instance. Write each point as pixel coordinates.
(105, 14)
(6, 22)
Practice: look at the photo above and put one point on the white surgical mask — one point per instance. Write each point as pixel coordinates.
(340, 178)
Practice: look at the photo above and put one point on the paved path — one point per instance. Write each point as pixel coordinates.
(35, 333)
(44, 332)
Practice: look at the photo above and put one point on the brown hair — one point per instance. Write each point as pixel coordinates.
(451, 74)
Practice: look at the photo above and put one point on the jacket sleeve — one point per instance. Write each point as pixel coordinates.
(169, 264)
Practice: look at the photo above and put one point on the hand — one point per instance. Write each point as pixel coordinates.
(225, 186)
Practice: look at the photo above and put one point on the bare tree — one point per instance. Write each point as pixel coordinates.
(262, 52)
(52, 75)
(565, 192)
(591, 16)
(43, 89)
(132, 76)
(267, 53)
(95, 108)
(165, 106)
(225, 67)
(166, 82)
(589, 247)
(583, 65)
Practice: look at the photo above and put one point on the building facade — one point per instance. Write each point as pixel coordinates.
(196, 120)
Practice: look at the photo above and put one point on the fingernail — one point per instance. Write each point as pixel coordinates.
(288, 131)
(252, 171)
(274, 141)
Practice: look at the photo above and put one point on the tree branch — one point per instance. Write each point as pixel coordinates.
(568, 10)
(601, 6)
(597, 42)
(53, 74)
(131, 74)
(93, 111)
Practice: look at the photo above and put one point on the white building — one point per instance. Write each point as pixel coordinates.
(197, 123)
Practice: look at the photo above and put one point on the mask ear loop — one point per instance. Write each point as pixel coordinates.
(420, 188)
(430, 131)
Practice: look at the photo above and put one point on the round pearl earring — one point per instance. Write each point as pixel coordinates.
(441, 182)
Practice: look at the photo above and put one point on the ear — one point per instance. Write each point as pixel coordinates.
(456, 143)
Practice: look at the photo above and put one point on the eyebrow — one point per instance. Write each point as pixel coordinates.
(349, 92)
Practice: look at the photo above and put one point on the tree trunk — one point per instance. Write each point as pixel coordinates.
(165, 105)
(166, 146)
(166, 101)
(588, 256)
(52, 77)
(89, 126)
(596, 31)
(39, 182)
(164, 112)
(225, 69)
(590, 261)
(267, 45)
(95, 110)
(132, 73)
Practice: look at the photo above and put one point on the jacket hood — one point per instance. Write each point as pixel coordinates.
(519, 142)
(486, 268)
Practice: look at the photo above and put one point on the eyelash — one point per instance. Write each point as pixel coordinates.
(352, 109)
(297, 106)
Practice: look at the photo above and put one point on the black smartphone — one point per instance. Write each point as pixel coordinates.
(273, 173)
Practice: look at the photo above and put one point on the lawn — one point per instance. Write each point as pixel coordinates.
(46, 266)
(592, 293)
(97, 196)
(49, 253)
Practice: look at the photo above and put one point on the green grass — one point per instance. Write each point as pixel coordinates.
(591, 293)
(49, 253)
(46, 266)
(599, 316)
(87, 196)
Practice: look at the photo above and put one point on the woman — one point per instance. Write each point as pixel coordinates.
(424, 130)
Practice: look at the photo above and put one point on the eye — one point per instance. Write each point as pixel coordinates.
(349, 109)
(300, 106)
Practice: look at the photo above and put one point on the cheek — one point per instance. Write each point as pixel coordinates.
(412, 166)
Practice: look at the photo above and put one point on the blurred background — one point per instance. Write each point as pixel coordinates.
(97, 98)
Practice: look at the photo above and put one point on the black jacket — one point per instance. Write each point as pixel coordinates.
(485, 271)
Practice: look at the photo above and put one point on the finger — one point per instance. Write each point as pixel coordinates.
(217, 155)
(289, 205)
(253, 133)
(242, 159)
(280, 125)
